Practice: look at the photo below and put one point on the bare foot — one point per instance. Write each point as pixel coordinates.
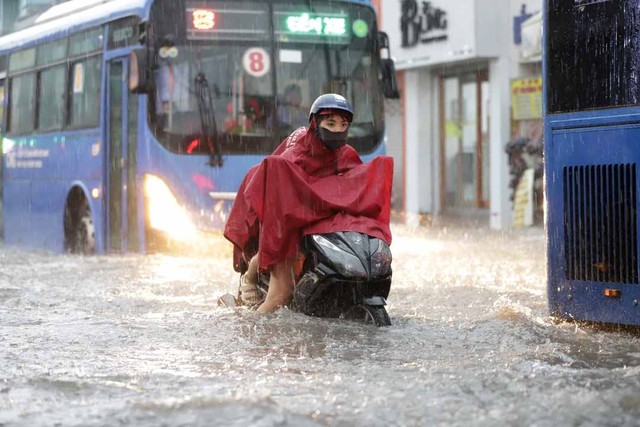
(270, 306)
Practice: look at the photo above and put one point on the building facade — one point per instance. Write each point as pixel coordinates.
(457, 63)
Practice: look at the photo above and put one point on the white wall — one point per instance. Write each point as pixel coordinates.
(393, 133)
(496, 29)
(412, 171)
(500, 133)
(518, 69)
(421, 167)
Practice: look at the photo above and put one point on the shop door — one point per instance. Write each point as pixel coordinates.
(121, 164)
(464, 137)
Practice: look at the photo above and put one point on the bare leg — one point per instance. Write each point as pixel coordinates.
(248, 292)
(281, 283)
(251, 276)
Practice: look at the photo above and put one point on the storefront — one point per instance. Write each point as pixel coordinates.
(525, 149)
(455, 61)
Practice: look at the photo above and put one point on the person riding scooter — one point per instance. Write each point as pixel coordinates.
(313, 177)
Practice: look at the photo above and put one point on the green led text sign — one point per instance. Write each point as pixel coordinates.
(330, 26)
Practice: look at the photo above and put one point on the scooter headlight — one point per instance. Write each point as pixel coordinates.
(345, 263)
(381, 260)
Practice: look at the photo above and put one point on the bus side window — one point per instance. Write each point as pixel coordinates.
(51, 98)
(22, 103)
(2, 117)
(84, 93)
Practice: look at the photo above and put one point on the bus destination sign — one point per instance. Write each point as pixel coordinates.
(329, 26)
(313, 27)
(220, 23)
(203, 19)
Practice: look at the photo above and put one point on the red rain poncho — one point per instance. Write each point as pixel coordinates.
(305, 188)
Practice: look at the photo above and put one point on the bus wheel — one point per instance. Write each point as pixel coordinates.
(79, 231)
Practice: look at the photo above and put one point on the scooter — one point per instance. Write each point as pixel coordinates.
(344, 275)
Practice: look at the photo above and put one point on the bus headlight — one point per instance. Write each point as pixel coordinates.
(165, 214)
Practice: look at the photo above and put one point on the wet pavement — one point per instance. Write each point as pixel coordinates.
(139, 340)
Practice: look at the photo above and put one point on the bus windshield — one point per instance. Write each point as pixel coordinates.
(246, 72)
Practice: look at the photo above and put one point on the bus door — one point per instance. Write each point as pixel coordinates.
(121, 125)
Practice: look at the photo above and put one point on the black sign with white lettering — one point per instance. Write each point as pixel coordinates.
(123, 32)
(422, 23)
(580, 3)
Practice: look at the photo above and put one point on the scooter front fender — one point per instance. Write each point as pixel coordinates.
(375, 301)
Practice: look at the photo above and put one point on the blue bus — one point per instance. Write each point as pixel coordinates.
(129, 124)
(592, 130)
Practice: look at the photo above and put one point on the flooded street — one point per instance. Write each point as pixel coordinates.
(140, 341)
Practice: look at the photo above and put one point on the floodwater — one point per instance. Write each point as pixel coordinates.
(139, 341)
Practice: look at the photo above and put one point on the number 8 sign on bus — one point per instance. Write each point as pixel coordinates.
(256, 62)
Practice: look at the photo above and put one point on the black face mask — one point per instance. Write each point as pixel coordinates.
(333, 140)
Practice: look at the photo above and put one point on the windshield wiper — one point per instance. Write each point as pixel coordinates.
(208, 119)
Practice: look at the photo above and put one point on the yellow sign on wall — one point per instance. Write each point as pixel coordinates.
(523, 201)
(526, 99)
